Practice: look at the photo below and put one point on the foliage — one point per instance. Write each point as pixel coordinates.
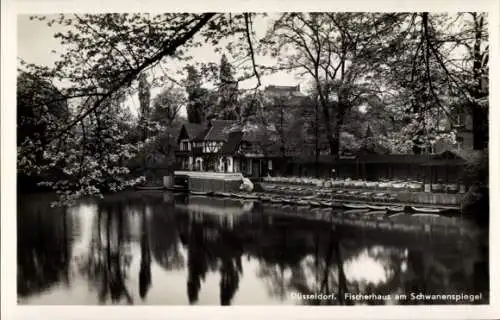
(103, 54)
(167, 104)
(227, 104)
(331, 49)
(197, 96)
(41, 110)
(434, 65)
(408, 70)
(144, 96)
(93, 159)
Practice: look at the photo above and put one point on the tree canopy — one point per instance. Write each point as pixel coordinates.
(411, 74)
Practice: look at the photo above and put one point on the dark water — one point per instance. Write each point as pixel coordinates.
(154, 248)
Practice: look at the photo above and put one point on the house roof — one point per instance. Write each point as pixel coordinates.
(232, 143)
(283, 89)
(219, 130)
(193, 129)
(201, 135)
(252, 136)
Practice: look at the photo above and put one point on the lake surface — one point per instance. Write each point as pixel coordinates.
(157, 248)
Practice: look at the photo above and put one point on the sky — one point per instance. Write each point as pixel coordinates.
(36, 45)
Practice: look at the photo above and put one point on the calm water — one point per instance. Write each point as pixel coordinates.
(161, 249)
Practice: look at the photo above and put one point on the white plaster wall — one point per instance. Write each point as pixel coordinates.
(202, 167)
(230, 164)
(191, 163)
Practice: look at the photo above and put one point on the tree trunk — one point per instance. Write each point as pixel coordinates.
(316, 133)
(328, 125)
(479, 113)
(339, 120)
(282, 130)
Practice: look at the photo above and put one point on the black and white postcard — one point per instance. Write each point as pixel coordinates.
(297, 160)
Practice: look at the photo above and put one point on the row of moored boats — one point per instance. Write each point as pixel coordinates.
(319, 201)
(401, 185)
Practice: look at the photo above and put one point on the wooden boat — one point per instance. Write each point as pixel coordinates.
(265, 199)
(250, 196)
(395, 209)
(237, 195)
(355, 206)
(426, 215)
(326, 204)
(366, 194)
(336, 204)
(198, 193)
(314, 203)
(379, 214)
(302, 203)
(310, 197)
(397, 214)
(425, 210)
(437, 211)
(356, 211)
(275, 200)
(377, 208)
(149, 187)
(226, 194)
(287, 201)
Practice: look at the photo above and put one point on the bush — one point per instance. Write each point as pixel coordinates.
(475, 203)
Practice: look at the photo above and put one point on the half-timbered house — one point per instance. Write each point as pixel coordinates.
(222, 146)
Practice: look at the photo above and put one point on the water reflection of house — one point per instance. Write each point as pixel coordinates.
(224, 210)
(222, 146)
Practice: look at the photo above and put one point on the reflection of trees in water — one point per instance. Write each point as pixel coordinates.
(109, 258)
(281, 250)
(327, 268)
(392, 260)
(319, 267)
(432, 271)
(165, 237)
(230, 269)
(200, 260)
(43, 246)
(293, 256)
(296, 257)
(212, 245)
(145, 269)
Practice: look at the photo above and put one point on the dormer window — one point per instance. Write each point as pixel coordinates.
(185, 145)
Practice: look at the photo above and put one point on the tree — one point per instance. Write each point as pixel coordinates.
(437, 64)
(144, 103)
(227, 108)
(144, 96)
(165, 114)
(329, 48)
(167, 104)
(103, 55)
(41, 110)
(409, 60)
(197, 96)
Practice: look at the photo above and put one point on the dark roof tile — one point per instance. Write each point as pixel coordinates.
(193, 129)
(219, 130)
(232, 143)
